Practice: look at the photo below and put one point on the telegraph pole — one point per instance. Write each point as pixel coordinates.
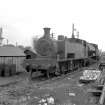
(1, 38)
(73, 29)
(78, 34)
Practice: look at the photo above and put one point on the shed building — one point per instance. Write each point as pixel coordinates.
(11, 59)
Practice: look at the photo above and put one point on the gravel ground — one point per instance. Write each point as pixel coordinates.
(64, 91)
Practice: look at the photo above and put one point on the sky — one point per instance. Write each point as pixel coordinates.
(24, 19)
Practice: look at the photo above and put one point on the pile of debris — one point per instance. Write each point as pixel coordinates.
(90, 75)
(24, 96)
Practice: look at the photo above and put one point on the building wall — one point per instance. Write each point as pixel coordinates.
(19, 61)
(13, 60)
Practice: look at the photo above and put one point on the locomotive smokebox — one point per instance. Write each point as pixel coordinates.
(46, 32)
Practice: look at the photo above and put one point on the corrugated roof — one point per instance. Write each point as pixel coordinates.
(11, 51)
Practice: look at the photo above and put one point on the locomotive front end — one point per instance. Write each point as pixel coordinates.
(46, 46)
(46, 49)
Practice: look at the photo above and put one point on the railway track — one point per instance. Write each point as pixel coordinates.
(39, 83)
(54, 79)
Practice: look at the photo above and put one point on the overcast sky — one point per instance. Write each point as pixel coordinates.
(24, 19)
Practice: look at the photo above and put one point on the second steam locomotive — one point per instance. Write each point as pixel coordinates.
(62, 55)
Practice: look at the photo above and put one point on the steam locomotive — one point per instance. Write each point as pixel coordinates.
(62, 55)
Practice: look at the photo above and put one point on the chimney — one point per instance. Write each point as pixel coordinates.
(46, 32)
(1, 38)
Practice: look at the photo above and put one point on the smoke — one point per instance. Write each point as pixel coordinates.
(34, 41)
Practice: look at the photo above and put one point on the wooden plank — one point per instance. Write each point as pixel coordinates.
(102, 98)
(97, 85)
(94, 91)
